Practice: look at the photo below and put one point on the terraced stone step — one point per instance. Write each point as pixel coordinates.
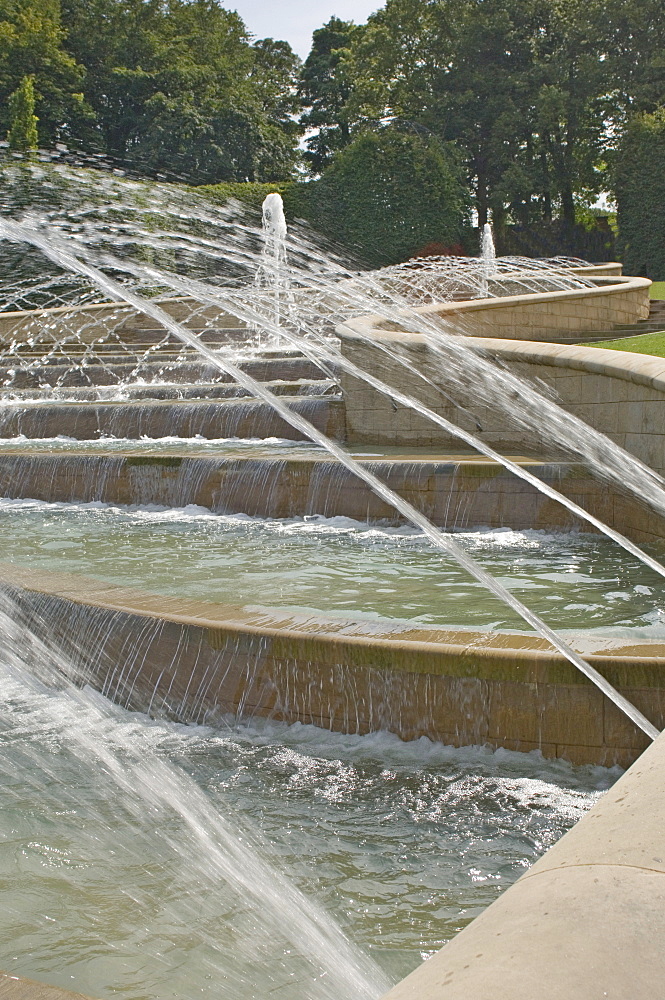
(194, 661)
(65, 374)
(654, 324)
(453, 490)
(210, 390)
(118, 353)
(243, 418)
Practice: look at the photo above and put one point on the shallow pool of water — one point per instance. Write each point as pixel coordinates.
(105, 888)
(576, 582)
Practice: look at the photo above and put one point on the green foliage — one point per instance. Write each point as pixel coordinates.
(178, 89)
(324, 90)
(32, 44)
(387, 195)
(531, 90)
(549, 239)
(640, 190)
(251, 195)
(22, 134)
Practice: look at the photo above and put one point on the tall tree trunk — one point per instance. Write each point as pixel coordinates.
(482, 199)
(547, 193)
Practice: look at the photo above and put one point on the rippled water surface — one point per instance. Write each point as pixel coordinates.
(577, 582)
(104, 888)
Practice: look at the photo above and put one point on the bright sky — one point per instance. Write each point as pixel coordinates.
(295, 20)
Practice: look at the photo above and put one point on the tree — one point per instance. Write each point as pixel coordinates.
(324, 91)
(387, 194)
(178, 88)
(32, 44)
(640, 189)
(459, 68)
(22, 134)
(573, 102)
(530, 89)
(635, 61)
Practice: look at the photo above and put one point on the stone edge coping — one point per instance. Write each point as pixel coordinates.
(171, 457)
(372, 324)
(18, 988)
(94, 308)
(608, 268)
(451, 652)
(604, 282)
(642, 369)
(587, 919)
(602, 286)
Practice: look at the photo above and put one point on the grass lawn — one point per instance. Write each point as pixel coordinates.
(657, 290)
(646, 343)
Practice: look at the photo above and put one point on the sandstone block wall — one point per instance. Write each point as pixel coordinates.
(620, 394)
(556, 315)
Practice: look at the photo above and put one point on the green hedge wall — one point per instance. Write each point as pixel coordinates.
(387, 196)
(248, 193)
(640, 191)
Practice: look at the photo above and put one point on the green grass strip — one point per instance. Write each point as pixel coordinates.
(645, 343)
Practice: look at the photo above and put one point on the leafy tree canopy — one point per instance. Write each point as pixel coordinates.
(534, 92)
(165, 86)
(325, 89)
(32, 45)
(22, 134)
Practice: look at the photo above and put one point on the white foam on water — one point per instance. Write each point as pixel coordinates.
(104, 440)
(103, 798)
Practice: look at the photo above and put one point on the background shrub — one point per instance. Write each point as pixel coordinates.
(640, 190)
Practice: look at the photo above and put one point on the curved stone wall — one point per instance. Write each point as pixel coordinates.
(618, 393)
(570, 315)
(587, 920)
(195, 661)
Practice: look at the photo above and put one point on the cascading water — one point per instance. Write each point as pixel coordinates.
(148, 857)
(138, 262)
(439, 538)
(282, 928)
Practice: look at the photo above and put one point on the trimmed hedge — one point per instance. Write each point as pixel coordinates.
(389, 194)
(248, 193)
(640, 191)
(385, 197)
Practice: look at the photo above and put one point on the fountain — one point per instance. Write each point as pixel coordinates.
(186, 531)
(272, 266)
(488, 256)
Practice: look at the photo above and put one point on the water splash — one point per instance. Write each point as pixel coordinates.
(272, 272)
(214, 852)
(488, 256)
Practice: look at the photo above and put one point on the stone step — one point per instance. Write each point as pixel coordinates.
(65, 374)
(117, 353)
(454, 491)
(230, 418)
(200, 390)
